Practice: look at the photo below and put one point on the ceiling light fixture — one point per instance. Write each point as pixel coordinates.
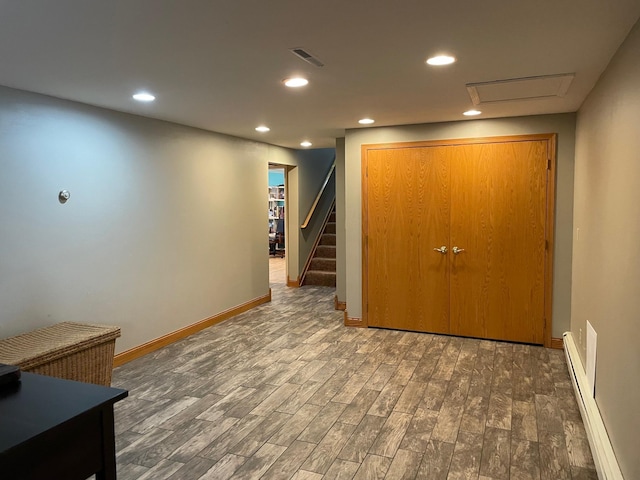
(306, 144)
(144, 97)
(366, 121)
(262, 129)
(441, 60)
(471, 113)
(295, 82)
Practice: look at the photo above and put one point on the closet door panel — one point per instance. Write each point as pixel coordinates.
(471, 230)
(407, 217)
(498, 215)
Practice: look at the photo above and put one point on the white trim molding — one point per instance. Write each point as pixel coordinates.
(603, 454)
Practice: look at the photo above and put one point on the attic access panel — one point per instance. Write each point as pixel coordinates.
(526, 88)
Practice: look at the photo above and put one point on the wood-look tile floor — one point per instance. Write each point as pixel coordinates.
(277, 270)
(285, 391)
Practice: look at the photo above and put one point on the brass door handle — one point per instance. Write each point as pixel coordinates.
(457, 250)
(442, 249)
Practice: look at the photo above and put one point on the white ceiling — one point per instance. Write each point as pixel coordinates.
(218, 64)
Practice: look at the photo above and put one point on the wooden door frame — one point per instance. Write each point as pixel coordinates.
(550, 138)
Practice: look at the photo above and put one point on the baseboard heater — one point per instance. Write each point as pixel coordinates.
(601, 449)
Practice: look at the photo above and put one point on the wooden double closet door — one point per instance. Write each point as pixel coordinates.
(457, 237)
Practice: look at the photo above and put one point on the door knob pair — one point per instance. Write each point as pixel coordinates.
(443, 250)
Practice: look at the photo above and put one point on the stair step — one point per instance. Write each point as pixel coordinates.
(323, 264)
(326, 251)
(332, 216)
(330, 228)
(323, 279)
(328, 239)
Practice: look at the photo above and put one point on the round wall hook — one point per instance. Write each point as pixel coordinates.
(63, 196)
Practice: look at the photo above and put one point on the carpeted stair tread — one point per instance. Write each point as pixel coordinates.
(328, 239)
(323, 279)
(330, 228)
(326, 251)
(323, 264)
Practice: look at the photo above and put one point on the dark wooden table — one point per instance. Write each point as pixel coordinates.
(57, 429)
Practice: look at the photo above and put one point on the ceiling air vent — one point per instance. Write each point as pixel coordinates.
(306, 56)
(527, 88)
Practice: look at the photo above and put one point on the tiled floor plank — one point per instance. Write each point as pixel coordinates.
(387, 399)
(373, 468)
(162, 469)
(446, 429)
(391, 434)
(363, 437)
(357, 409)
(474, 418)
(195, 468)
(436, 461)
(499, 412)
(418, 434)
(467, 454)
(434, 394)
(224, 468)
(381, 376)
(259, 463)
(288, 433)
(548, 414)
(523, 421)
(496, 453)
(252, 442)
(342, 470)
(404, 466)
(322, 423)
(525, 460)
(221, 446)
(577, 445)
(327, 450)
(202, 437)
(410, 397)
(289, 462)
(554, 459)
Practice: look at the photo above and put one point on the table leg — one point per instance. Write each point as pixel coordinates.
(108, 446)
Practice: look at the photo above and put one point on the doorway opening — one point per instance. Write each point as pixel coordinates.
(277, 224)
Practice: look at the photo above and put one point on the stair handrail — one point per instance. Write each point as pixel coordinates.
(315, 245)
(317, 200)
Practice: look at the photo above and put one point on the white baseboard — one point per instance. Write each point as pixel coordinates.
(601, 449)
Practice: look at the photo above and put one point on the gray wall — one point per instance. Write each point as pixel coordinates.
(166, 225)
(563, 125)
(606, 261)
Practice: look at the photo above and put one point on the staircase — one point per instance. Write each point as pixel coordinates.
(322, 270)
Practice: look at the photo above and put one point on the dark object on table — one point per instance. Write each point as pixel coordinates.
(9, 374)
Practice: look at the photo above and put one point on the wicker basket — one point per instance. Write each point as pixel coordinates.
(75, 351)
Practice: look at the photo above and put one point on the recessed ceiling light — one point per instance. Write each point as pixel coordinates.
(366, 121)
(306, 143)
(295, 82)
(144, 97)
(441, 60)
(471, 113)
(262, 128)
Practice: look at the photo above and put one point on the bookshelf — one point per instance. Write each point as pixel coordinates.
(276, 205)
(276, 220)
